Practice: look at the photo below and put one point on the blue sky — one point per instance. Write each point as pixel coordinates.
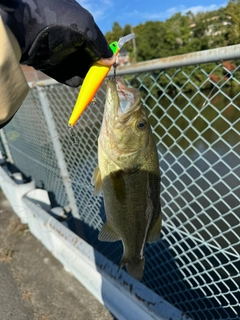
(134, 12)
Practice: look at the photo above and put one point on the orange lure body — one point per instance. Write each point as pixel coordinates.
(91, 83)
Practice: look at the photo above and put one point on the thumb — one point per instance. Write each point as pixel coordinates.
(108, 61)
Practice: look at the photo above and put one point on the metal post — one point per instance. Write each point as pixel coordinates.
(58, 150)
(6, 146)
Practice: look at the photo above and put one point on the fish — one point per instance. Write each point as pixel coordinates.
(128, 175)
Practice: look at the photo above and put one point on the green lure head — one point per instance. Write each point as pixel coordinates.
(114, 47)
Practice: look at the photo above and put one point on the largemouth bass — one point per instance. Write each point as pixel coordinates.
(128, 174)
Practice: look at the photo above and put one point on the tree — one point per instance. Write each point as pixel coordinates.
(149, 40)
(233, 11)
(115, 34)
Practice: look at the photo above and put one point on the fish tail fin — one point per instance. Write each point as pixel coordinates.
(154, 232)
(134, 267)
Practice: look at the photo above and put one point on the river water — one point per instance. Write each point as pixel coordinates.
(199, 147)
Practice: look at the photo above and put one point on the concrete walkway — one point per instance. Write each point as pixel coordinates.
(33, 284)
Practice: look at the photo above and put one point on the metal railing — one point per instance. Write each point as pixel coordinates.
(195, 115)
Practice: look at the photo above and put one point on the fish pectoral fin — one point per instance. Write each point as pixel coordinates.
(97, 181)
(108, 234)
(154, 232)
(134, 267)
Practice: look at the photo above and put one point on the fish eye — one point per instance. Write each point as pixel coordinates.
(142, 124)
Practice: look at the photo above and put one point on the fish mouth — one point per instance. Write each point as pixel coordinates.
(129, 99)
(121, 103)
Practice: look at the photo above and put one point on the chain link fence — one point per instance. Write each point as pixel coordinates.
(195, 115)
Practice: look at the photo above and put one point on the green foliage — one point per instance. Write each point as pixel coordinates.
(233, 11)
(115, 34)
(149, 40)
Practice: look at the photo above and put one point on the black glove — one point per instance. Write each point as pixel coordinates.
(58, 37)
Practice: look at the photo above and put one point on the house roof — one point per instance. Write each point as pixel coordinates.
(123, 52)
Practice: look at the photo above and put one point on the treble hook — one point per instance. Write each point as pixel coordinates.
(74, 139)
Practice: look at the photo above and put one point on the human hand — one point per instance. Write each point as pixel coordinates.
(58, 37)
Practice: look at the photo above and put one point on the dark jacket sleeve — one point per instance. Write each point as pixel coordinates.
(58, 37)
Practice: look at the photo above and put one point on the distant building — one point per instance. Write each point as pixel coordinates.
(214, 29)
(123, 57)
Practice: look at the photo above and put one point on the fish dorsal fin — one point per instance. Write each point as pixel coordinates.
(107, 234)
(97, 181)
(154, 232)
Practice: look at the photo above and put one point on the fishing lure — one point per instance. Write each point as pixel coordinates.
(93, 80)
